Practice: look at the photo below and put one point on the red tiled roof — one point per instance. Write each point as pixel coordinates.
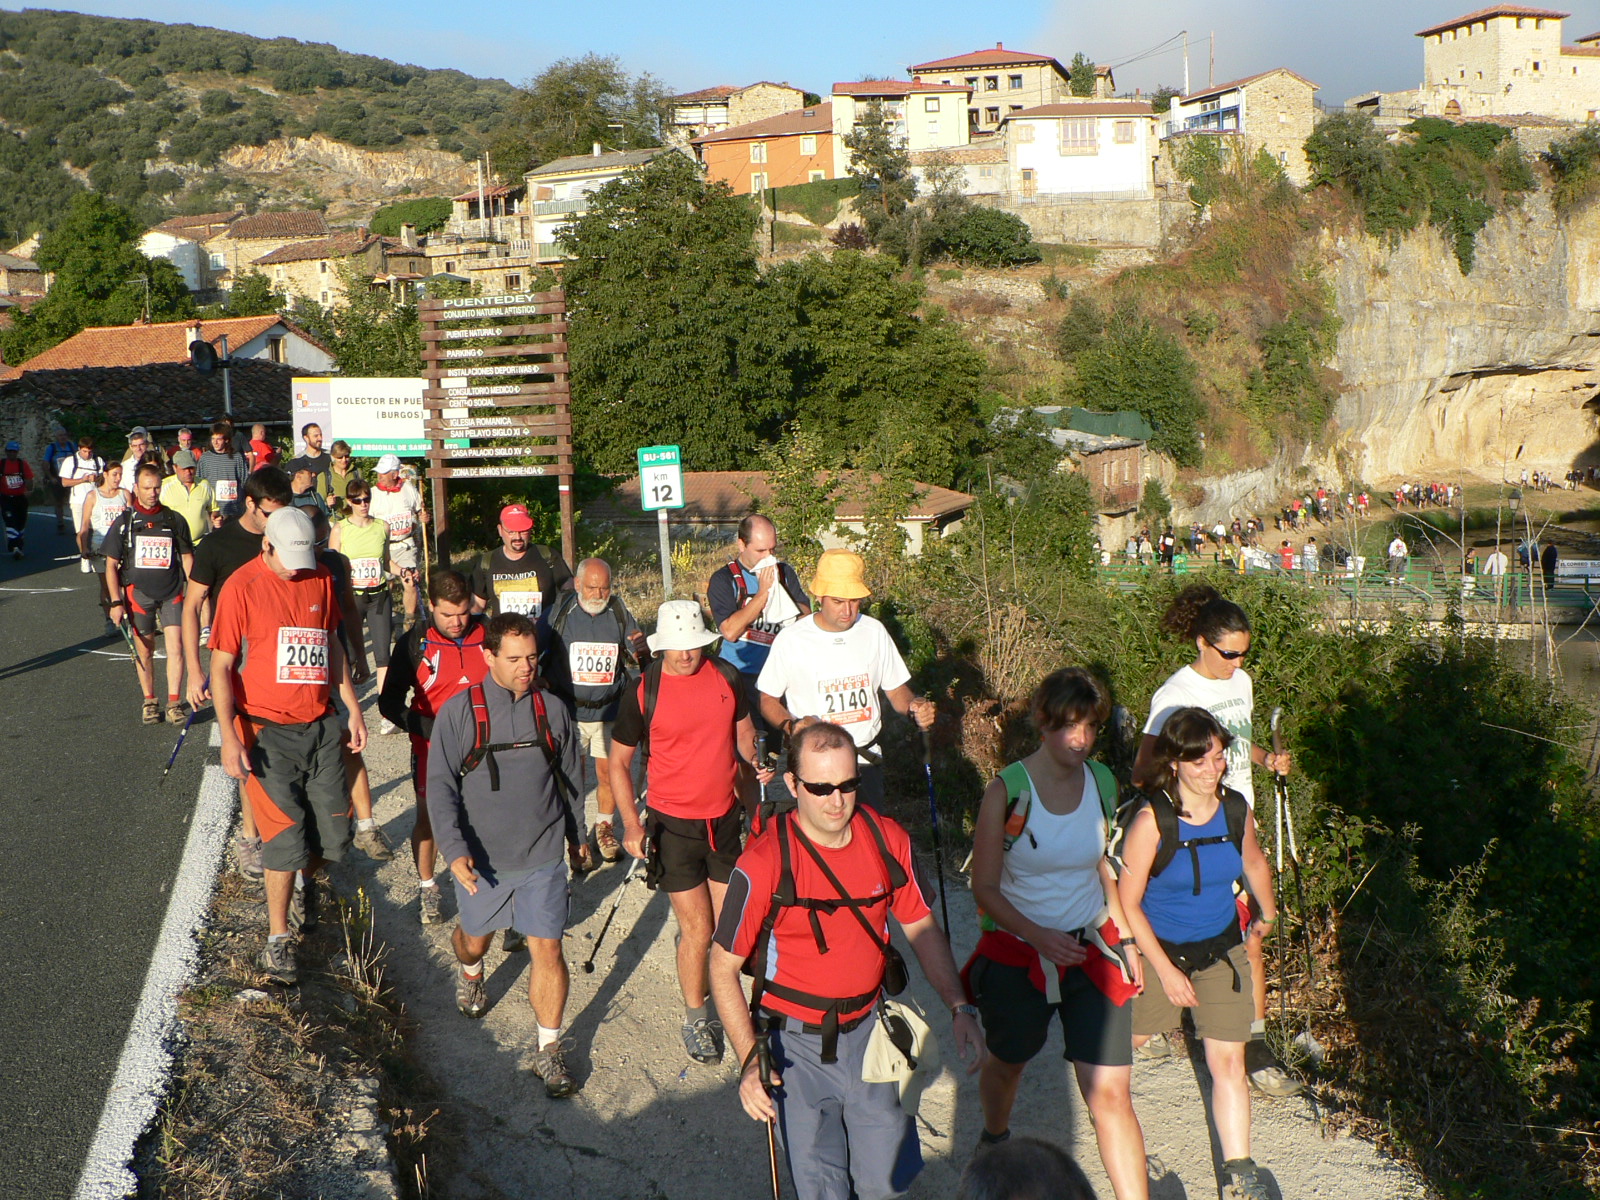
(157, 394)
(726, 497)
(491, 191)
(1494, 10)
(893, 87)
(1588, 37)
(1088, 108)
(141, 345)
(279, 224)
(990, 150)
(340, 245)
(209, 222)
(998, 57)
(817, 119)
(1218, 89)
(1581, 51)
(720, 92)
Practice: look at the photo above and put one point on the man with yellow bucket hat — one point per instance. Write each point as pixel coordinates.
(831, 665)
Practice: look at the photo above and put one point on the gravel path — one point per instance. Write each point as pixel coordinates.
(649, 1123)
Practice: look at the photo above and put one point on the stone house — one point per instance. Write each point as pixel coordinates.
(310, 270)
(21, 277)
(794, 147)
(1274, 110)
(999, 81)
(923, 116)
(234, 249)
(712, 109)
(1087, 148)
(1108, 450)
(1508, 60)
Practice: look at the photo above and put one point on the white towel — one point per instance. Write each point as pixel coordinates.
(781, 608)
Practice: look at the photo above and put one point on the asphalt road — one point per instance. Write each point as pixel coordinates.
(90, 849)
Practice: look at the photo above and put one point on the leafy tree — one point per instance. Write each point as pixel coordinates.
(1161, 98)
(880, 163)
(1083, 328)
(101, 278)
(427, 213)
(670, 339)
(1142, 368)
(802, 478)
(253, 296)
(575, 103)
(1080, 75)
(1155, 508)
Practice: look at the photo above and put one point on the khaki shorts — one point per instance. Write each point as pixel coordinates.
(1223, 1014)
(594, 738)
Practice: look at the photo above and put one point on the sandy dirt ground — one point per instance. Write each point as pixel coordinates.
(648, 1122)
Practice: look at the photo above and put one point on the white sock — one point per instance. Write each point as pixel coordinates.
(366, 822)
(475, 971)
(429, 882)
(299, 882)
(549, 1037)
(1258, 1028)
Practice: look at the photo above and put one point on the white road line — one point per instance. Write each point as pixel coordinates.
(216, 734)
(141, 1076)
(38, 591)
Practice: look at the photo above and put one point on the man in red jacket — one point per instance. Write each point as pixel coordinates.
(16, 481)
(429, 665)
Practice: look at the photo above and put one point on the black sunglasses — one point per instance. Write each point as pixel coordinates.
(1230, 655)
(848, 787)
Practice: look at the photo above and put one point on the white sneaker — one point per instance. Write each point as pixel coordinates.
(387, 727)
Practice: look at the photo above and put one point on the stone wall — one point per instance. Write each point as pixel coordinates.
(762, 100)
(1278, 116)
(1090, 221)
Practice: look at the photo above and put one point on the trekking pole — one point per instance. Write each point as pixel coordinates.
(173, 757)
(588, 963)
(938, 839)
(133, 653)
(1280, 783)
(764, 1066)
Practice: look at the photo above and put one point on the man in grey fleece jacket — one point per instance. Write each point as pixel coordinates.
(502, 825)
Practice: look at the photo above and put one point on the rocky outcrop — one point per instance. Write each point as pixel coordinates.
(1496, 370)
(340, 169)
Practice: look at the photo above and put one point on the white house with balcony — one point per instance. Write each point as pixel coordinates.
(1274, 111)
(559, 190)
(1088, 148)
(923, 116)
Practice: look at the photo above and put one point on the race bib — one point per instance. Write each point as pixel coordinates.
(593, 663)
(152, 553)
(302, 655)
(521, 596)
(400, 524)
(846, 700)
(227, 490)
(761, 633)
(366, 572)
(14, 482)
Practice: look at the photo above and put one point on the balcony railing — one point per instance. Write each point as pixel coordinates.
(549, 208)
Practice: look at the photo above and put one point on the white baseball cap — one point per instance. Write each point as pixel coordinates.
(389, 462)
(294, 538)
(680, 625)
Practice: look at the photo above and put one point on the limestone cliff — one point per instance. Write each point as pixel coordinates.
(347, 176)
(1444, 372)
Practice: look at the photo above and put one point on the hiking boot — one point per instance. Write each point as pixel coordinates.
(1158, 1047)
(428, 905)
(513, 942)
(550, 1065)
(371, 842)
(1240, 1181)
(276, 962)
(606, 840)
(1266, 1074)
(152, 713)
(249, 853)
(703, 1040)
(176, 714)
(472, 998)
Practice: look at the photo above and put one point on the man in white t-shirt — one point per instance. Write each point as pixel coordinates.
(831, 665)
(80, 474)
(397, 503)
(1398, 553)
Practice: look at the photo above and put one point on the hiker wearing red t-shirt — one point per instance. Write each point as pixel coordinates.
(430, 664)
(275, 660)
(16, 481)
(689, 716)
(844, 871)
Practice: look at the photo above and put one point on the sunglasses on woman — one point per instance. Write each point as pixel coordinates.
(1230, 655)
(822, 790)
(359, 499)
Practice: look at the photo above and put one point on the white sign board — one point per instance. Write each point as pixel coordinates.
(376, 416)
(660, 478)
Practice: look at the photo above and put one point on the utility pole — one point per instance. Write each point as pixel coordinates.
(1211, 74)
(1185, 62)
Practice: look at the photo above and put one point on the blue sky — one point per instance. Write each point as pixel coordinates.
(1346, 47)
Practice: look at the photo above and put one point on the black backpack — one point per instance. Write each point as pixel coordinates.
(1235, 808)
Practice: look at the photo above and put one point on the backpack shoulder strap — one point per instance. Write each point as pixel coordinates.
(783, 897)
(741, 590)
(652, 691)
(414, 639)
(1106, 784)
(1166, 829)
(563, 610)
(481, 731)
(1236, 810)
(1019, 801)
(897, 873)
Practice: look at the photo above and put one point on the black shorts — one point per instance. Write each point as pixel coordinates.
(685, 853)
(1016, 1016)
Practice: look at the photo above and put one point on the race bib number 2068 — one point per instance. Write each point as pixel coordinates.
(302, 655)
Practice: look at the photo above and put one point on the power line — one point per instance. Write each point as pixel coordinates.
(1167, 47)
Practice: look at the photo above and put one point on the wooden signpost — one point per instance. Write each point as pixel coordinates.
(506, 395)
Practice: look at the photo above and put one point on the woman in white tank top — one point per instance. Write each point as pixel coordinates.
(1055, 939)
(101, 507)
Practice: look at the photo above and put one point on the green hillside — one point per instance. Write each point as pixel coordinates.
(122, 103)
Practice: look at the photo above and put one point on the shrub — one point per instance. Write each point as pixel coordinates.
(849, 236)
(1140, 367)
(987, 237)
(1083, 328)
(427, 213)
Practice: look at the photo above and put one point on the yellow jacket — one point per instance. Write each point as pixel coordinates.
(195, 503)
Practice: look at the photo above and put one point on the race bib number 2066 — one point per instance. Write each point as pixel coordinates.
(302, 655)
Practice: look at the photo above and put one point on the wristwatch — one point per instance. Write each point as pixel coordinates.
(970, 1009)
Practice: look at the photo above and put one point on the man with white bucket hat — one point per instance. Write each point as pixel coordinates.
(831, 665)
(688, 717)
(397, 503)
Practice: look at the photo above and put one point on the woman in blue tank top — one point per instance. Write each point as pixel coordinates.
(1179, 902)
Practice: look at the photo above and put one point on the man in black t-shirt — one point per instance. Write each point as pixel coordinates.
(312, 458)
(148, 555)
(520, 577)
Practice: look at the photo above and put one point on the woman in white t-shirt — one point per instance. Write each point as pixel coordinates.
(101, 507)
(1041, 879)
(1216, 682)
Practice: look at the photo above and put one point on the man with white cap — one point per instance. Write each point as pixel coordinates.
(519, 576)
(831, 665)
(689, 716)
(397, 503)
(275, 660)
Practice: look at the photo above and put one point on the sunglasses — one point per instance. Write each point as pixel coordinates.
(821, 790)
(1230, 655)
(359, 499)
